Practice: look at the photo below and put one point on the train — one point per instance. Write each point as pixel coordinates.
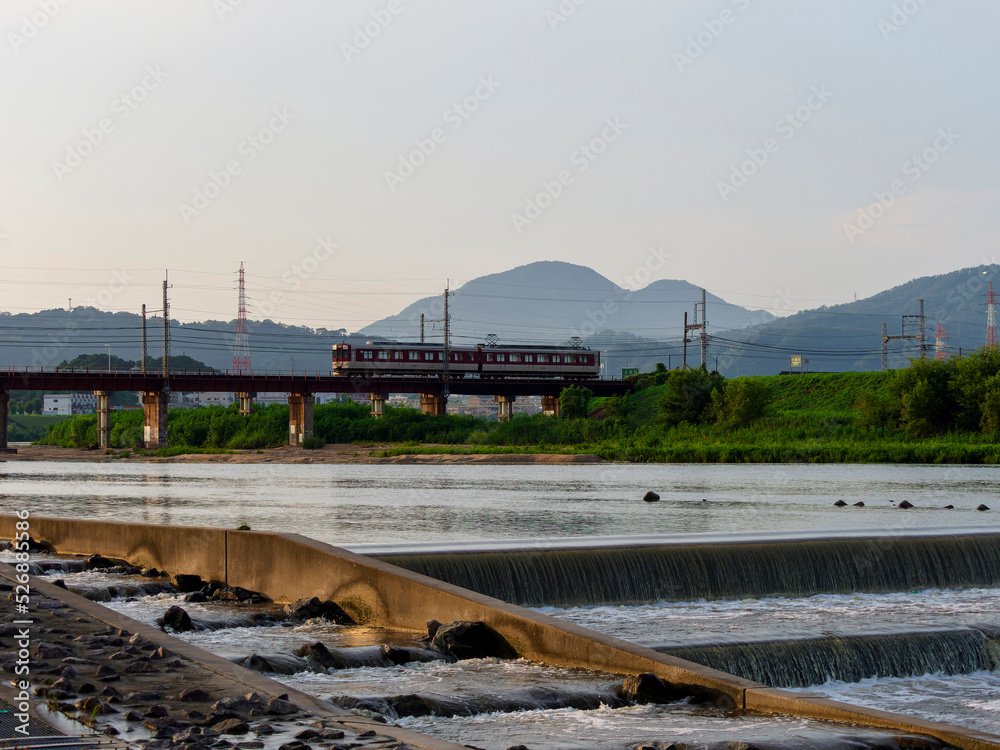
(483, 361)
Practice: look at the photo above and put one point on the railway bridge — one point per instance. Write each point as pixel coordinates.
(300, 386)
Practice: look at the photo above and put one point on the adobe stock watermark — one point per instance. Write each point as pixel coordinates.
(367, 32)
(455, 116)
(599, 317)
(899, 17)
(562, 12)
(249, 149)
(713, 29)
(785, 301)
(582, 158)
(224, 7)
(787, 126)
(298, 272)
(32, 25)
(121, 108)
(913, 168)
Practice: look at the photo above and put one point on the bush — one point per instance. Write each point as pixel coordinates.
(573, 402)
(688, 395)
(313, 443)
(740, 402)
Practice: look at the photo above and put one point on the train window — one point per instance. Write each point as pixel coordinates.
(501, 358)
(397, 355)
(414, 355)
(529, 357)
(555, 359)
(489, 357)
(383, 355)
(515, 357)
(366, 354)
(543, 358)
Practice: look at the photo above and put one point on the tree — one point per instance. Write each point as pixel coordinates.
(740, 402)
(573, 402)
(688, 395)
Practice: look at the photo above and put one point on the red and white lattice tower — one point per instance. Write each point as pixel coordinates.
(241, 350)
(940, 343)
(991, 319)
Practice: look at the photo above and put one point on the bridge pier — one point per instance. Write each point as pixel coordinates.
(300, 418)
(506, 406)
(550, 406)
(245, 400)
(433, 405)
(378, 404)
(103, 419)
(154, 431)
(4, 403)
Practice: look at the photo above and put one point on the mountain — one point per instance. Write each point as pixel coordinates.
(849, 336)
(549, 302)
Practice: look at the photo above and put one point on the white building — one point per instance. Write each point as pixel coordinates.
(69, 403)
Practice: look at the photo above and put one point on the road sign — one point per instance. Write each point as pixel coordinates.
(628, 372)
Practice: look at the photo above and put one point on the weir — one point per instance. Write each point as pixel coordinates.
(688, 568)
(802, 662)
(286, 567)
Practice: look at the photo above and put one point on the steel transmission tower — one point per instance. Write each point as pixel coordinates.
(241, 349)
(940, 343)
(991, 319)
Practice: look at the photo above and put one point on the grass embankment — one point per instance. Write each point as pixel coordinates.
(808, 418)
(26, 428)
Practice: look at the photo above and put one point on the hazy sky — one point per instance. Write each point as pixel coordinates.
(355, 154)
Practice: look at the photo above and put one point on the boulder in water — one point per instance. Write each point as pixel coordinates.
(949, 507)
(650, 497)
(464, 639)
(648, 688)
(859, 504)
(904, 504)
(176, 619)
(187, 583)
(308, 607)
(840, 503)
(983, 507)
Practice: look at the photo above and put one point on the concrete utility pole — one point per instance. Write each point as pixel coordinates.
(421, 328)
(142, 364)
(166, 326)
(696, 326)
(447, 340)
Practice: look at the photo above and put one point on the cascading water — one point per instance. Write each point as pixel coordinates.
(686, 572)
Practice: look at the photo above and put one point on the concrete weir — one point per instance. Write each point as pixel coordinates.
(287, 567)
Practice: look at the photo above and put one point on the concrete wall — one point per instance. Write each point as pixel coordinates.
(287, 567)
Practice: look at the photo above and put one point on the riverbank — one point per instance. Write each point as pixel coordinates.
(340, 453)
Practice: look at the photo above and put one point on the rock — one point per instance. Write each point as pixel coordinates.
(60, 583)
(196, 596)
(107, 674)
(51, 651)
(264, 728)
(983, 507)
(464, 639)
(187, 583)
(97, 562)
(307, 608)
(904, 504)
(144, 697)
(279, 707)
(396, 655)
(176, 619)
(195, 695)
(319, 657)
(650, 497)
(648, 688)
(949, 507)
(231, 726)
(432, 629)
(859, 504)
(840, 504)
(149, 573)
(93, 706)
(307, 734)
(409, 705)
(139, 667)
(157, 711)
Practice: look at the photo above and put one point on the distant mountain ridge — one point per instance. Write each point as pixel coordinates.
(549, 302)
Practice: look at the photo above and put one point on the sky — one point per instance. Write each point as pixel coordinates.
(355, 156)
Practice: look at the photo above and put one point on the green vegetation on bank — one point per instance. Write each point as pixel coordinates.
(932, 412)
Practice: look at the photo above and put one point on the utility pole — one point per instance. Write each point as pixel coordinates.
(684, 358)
(991, 320)
(166, 326)
(142, 364)
(696, 326)
(704, 332)
(909, 323)
(421, 328)
(447, 340)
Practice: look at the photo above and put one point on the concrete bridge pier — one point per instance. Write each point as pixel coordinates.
(300, 418)
(506, 406)
(433, 404)
(103, 419)
(4, 404)
(550, 406)
(154, 431)
(378, 404)
(245, 400)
